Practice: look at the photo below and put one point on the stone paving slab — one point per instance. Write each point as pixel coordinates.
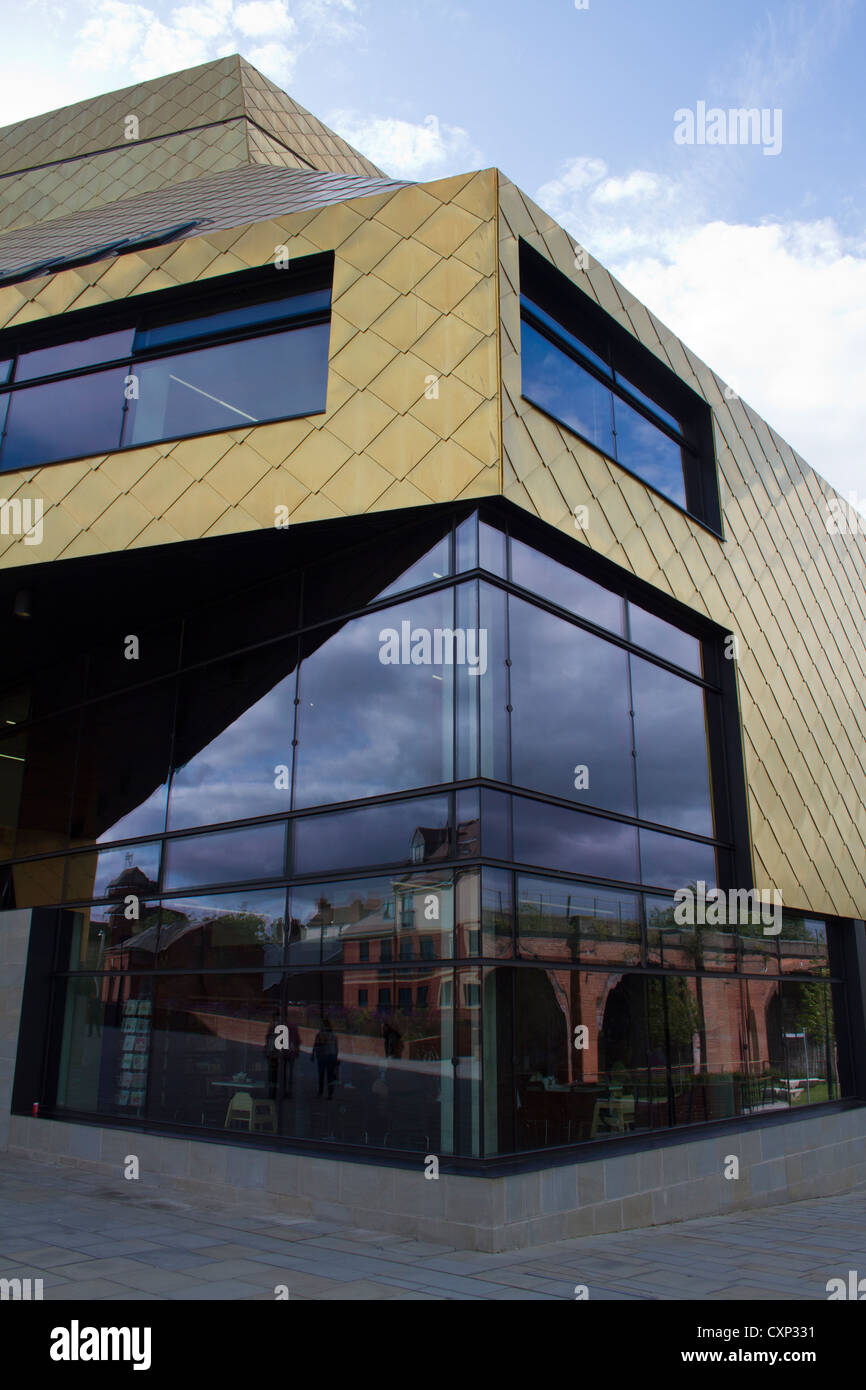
(88, 1241)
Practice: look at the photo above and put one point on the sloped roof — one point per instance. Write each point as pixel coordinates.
(209, 94)
(215, 118)
(232, 198)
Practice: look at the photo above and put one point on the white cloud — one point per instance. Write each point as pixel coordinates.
(275, 60)
(638, 185)
(406, 149)
(166, 49)
(121, 34)
(773, 308)
(262, 19)
(209, 20)
(579, 174)
(111, 33)
(331, 20)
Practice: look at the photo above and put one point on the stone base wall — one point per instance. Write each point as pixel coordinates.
(810, 1157)
(14, 940)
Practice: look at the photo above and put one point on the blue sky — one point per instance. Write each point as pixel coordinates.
(757, 261)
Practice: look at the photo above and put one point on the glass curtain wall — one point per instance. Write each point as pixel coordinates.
(383, 855)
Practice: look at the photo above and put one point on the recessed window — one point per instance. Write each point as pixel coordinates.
(586, 371)
(234, 353)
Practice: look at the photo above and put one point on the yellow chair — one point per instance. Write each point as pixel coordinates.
(240, 1111)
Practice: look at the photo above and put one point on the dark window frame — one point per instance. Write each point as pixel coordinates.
(163, 307)
(581, 319)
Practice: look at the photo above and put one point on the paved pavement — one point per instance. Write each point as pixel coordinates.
(89, 1238)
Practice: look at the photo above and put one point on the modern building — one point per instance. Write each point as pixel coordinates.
(415, 660)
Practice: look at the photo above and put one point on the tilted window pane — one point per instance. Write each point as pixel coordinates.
(680, 938)
(436, 564)
(374, 1059)
(231, 386)
(648, 401)
(106, 1048)
(214, 1063)
(228, 856)
(758, 954)
(229, 320)
(570, 725)
(364, 696)
(122, 773)
(553, 1092)
(648, 452)
(555, 838)
(491, 549)
(353, 921)
(400, 832)
(40, 821)
(68, 357)
(803, 945)
(668, 861)
(495, 824)
(36, 883)
(568, 392)
(703, 1041)
(69, 418)
(496, 912)
(106, 937)
(673, 775)
(557, 920)
(223, 931)
(563, 332)
(115, 874)
(549, 579)
(807, 1037)
(666, 640)
(233, 744)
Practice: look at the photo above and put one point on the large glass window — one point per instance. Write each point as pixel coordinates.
(398, 832)
(561, 920)
(361, 921)
(590, 374)
(227, 856)
(299, 943)
(233, 743)
(223, 931)
(265, 359)
(124, 752)
(222, 388)
(375, 710)
(673, 783)
(570, 722)
(562, 385)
